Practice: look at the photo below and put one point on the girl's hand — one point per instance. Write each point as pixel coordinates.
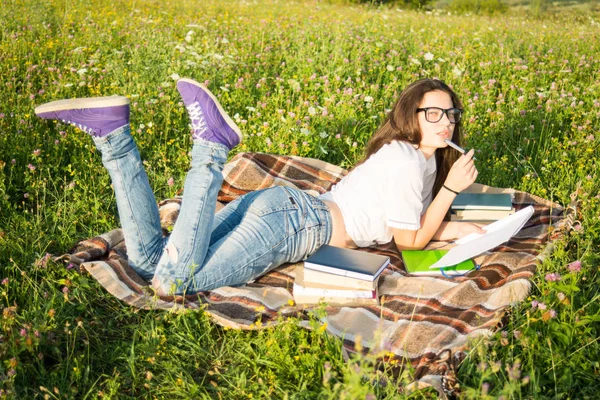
(463, 173)
(452, 230)
(466, 228)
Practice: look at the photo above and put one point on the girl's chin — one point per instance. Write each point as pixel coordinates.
(436, 145)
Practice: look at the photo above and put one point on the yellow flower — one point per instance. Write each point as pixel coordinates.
(358, 343)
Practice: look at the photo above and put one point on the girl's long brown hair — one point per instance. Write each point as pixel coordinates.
(402, 124)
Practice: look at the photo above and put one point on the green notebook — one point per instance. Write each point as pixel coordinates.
(417, 262)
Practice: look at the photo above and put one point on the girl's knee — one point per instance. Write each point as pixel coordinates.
(160, 286)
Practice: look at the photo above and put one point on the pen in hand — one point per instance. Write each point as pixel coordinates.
(457, 147)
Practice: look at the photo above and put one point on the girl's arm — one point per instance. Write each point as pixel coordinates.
(462, 174)
(451, 230)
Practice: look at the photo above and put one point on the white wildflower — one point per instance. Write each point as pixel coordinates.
(428, 56)
(295, 85)
(189, 36)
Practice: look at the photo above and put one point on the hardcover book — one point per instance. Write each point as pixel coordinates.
(347, 262)
(319, 279)
(315, 278)
(333, 296)
(482, 201)
(480, 215)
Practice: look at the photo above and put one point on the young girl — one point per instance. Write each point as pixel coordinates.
(401, 190)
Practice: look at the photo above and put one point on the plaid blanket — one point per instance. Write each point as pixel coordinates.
(424, 321)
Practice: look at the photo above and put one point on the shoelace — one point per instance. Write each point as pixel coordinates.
(79, 126)
(199, 125)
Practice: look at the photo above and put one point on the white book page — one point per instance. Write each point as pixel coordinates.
(495, 234)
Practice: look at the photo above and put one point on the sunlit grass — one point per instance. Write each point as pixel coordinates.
(309, 79)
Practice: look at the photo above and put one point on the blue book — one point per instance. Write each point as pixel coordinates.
(347, 262)
(482, 201)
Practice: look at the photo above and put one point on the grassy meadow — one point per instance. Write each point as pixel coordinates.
(305, 78)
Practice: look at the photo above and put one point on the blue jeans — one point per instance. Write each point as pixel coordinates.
(248, 237)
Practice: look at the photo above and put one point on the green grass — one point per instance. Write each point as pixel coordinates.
(299, 78)
(533, 6)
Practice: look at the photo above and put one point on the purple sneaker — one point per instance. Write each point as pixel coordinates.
(209, 120)
(97, 116)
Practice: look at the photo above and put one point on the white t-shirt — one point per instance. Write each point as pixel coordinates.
(392, 189)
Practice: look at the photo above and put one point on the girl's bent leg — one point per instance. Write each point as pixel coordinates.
(136, 203)
(187, 246)
(106, 119)
(214, 134)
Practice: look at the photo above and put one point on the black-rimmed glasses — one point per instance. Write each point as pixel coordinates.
(435, 114)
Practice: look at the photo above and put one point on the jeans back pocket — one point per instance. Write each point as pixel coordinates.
(267, 201)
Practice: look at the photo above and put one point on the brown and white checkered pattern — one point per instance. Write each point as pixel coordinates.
(426, 321)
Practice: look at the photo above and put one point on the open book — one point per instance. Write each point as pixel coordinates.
(495, 234)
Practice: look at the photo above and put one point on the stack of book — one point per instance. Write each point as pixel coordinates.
(339, 277)
(481, 207)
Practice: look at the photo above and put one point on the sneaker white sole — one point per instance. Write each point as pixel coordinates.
(81, 103)
(226, 116)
